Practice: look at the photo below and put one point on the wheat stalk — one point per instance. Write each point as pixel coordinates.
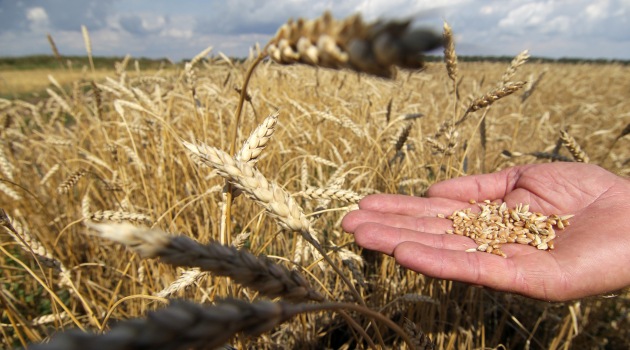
(258, 273)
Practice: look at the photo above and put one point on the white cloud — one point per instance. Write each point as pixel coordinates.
(183, 28)
(37, 17)
(528, 15)
(597, 11)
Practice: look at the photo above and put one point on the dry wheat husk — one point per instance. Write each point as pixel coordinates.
(373, 48)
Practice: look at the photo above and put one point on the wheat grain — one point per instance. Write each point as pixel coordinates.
(497, 224)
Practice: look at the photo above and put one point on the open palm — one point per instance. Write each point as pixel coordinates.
(591, 256)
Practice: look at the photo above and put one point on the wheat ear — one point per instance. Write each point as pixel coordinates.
(278, 203)
(257, 141)
(491, 97)
(258, 273)
(186, 325)
(27, 241)
(574, 148)
(181, 325)
(450, 57)
(518, 61)
(331, 193)
(373, 48)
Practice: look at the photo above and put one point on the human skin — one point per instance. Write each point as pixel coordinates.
(591, 255)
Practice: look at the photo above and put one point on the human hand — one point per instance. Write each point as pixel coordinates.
(591, 256)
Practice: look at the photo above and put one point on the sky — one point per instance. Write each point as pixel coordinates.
(183, 28)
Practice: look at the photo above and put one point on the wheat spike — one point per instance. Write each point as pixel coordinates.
(257, 141)
(450, 57)
(574, 148)
(187, 278)
(5, 166)
(26, 241)
(518, 61)
(181, 325)
(71, 181)
(331, 193)
(490, 98)
(373, 48)
(258, 273)
(497, 94)
(254, 185)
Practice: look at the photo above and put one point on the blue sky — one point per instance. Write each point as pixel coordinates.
(183, 28)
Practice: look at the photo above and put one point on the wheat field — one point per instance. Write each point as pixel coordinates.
(143, 160)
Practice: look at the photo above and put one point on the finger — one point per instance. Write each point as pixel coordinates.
(527, 275)
(385, 238)
(412, 206)
(421, 224)
(478, 187)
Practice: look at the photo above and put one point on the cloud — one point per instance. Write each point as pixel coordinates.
(184, 28)
(37, 17)
(137, 25)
